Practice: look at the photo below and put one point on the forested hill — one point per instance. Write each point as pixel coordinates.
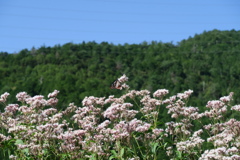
(208, 63)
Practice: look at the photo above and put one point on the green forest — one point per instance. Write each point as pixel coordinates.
(208, 64)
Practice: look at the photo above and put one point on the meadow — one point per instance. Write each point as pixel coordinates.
(128, 127)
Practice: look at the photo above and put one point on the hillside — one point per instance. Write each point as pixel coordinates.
(207, 63)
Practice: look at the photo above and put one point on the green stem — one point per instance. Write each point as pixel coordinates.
(138, 145)
(136, 103)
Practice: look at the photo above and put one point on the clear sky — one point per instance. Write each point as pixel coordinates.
(29, 23)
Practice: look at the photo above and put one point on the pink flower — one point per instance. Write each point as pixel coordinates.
(182, 96)
(236, 108)
(228, 98)
(103, 125)
(36, 101)
(52, 101)
(160, 93)
(119, 111)
(4, 138)
(12, 157)
(233, 150)
(11, 108)
(112, 112)
(49, 111)
(79, 132)
(4, 97)
(71, 108)
(99, 137)
(157, 131)
(215, 104)
(87, 101)
(143, 128)
(123, 78)
(185, 95)
(124, 85)
(22, 96)
(174, 115)
(53, 94)
(188, 92)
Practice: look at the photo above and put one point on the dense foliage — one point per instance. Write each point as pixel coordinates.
(207, 63)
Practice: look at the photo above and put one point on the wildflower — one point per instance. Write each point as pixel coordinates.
(36, 101)
(119, 83)
(123, 78)
(143, 128)
(53, 94)
(125, 86)
(236, 108)
(228, 98)
(215, 104)
(232, 150)
(49, 111)
(218, 153)
(185, 95)
(17, 129)
(135, 158)
(119, 111)
(3, 97)
(120, 130)
(13, 157)
(55, 118)
(87, 101)
(160, 93)
(237, 157)
(4, 138)
(70, 108)
(103, 125)
(22, 96)
(157, 131)
(169, 151)
(11, 108)
(189, 145)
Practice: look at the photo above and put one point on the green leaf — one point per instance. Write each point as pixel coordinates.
(19, 141)
(112, 157)
(165, 145)
(154, 147)
(179, 154)
(114, 153)
(122, 152)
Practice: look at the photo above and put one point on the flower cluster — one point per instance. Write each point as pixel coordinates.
(126, 127)
(221, 153)
(3, 97)
(160, 93)
(122, 80)
(193, 142)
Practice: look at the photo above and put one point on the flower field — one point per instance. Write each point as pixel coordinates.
(129, 127)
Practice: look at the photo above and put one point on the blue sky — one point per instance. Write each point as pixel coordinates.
(28, 23)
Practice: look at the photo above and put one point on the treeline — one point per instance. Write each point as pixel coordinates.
(208, 63)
